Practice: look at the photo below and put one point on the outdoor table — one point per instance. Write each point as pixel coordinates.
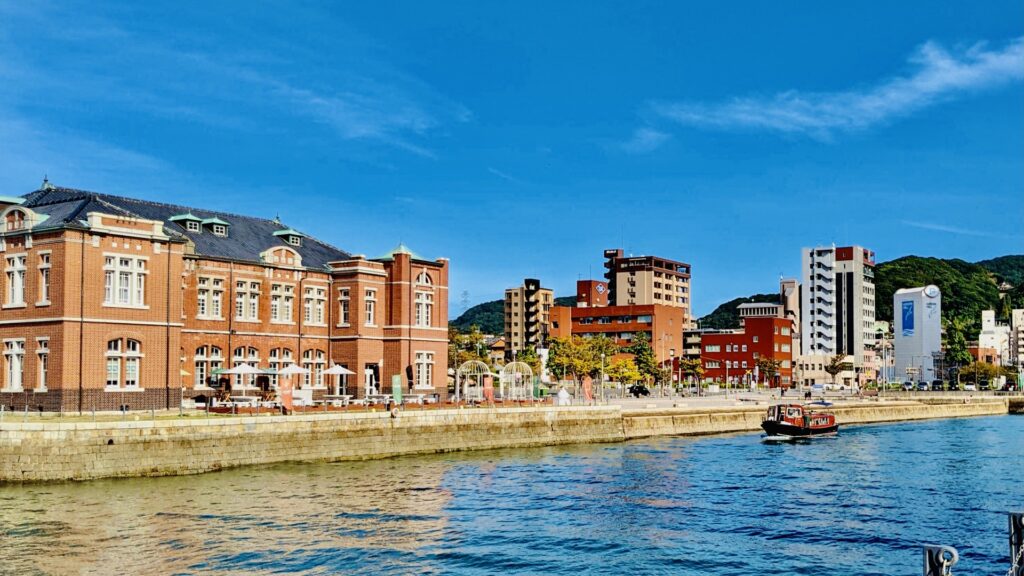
(415, 398)
(245, 400)
(379, 398)
(338, 399)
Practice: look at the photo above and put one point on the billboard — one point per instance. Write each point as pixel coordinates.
(908, 317)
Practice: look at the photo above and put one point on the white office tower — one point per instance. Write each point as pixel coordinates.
(837, 302)
(917, 332)
(995, 336)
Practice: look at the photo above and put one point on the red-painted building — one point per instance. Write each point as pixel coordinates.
(733, 355)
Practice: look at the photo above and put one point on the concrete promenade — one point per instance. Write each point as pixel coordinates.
(81, 449)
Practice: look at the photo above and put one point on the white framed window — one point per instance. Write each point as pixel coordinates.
(279, 358)
(192, 226)
(370, 301)
(43, 363)
(282, 297)
(295, 240)
(247, 300)
(315, 362)
(123, 359)
(124, 281)
(423, 279)
(209, 298)
(424, 370)
(44, 279)
(220, 230)
(244, 355)
(313, 305)
(16, 280)
(14, 365)
(424, 308)
(344, 310)
(208, 359)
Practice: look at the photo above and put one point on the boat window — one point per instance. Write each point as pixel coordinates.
(793, 413)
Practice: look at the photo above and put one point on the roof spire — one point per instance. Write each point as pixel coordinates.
(277, 218)
(46, 184)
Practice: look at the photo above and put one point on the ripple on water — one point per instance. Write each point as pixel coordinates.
(858, 504)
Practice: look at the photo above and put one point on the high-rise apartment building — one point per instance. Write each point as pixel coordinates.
(642, 280)
(837, 302)
(527, 316)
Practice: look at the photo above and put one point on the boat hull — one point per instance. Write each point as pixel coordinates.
(773, 428)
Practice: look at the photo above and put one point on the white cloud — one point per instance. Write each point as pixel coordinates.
(644, 140)
(504, 176)
(938, 227)
(938, 74)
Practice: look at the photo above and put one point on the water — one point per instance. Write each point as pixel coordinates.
(857, 504)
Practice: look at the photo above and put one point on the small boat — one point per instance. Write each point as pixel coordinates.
(785, 421)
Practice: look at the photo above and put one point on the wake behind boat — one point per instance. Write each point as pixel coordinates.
(786, 421)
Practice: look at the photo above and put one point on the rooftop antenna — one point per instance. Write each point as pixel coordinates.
(277, 218)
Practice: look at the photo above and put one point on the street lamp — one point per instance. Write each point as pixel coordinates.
(603, 399)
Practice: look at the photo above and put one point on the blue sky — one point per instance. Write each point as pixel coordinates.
(522, 139)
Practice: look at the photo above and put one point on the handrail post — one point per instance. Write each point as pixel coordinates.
(1016, 543)
(939, 560)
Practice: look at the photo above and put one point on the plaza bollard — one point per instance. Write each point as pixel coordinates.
(939, 560)
(1016, 544)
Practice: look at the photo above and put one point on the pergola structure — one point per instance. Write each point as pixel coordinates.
(516, 381)
(469, 380)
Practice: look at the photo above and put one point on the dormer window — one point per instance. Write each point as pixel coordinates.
(217, 226)
(188, 221)
(293, 237)
(15, 220)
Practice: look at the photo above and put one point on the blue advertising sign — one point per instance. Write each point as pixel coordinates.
(908, 317)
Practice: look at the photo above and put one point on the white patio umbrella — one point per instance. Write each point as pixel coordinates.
(337, 371)
(242, 369)
(292, 369)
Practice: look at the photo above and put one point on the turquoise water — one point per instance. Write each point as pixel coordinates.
(857, 504)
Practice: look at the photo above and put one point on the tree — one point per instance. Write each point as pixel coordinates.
(643, 355)
(597, 346)
(624, 371)
(691, 368)
(836, 365)
(570, 357)
(529, 357)
(978, 371)
(768, 368)
(956, 343)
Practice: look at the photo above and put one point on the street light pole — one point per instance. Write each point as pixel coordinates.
(603, 399)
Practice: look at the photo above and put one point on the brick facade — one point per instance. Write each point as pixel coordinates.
(124, 283)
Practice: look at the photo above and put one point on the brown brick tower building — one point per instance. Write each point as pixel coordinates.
(110, 301)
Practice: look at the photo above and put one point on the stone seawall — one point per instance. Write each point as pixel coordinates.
(87, 450)
(696, 421)
(41, 451)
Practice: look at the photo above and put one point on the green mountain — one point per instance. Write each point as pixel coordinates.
(967, 288)
(727, 315)
(1008, 268)
(490, 316)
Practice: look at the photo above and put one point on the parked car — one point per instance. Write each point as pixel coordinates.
(908, 386)
(984, 385)
(953, 386)
(922, 386)
(937, 386)
(970, 388)
(638, 390)
(1009, 387)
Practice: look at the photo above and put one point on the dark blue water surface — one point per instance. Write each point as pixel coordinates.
(857, 504)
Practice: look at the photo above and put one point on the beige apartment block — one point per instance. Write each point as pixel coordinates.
(527, 316)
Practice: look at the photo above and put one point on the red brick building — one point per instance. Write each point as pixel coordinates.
(663, 324)
(111, 301)
(731, 355)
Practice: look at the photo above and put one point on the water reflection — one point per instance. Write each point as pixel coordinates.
(856, 504)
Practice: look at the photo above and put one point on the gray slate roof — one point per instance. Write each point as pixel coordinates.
(247, 236)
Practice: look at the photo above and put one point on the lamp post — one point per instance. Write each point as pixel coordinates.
(602, 378)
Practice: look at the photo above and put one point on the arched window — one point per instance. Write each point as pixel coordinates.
(424, 279)
(123, 359)
(207, 361)
(279, 358)
(15, 220)
(316, 362)
(243, 355)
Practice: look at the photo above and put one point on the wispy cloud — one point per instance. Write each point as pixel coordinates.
(937, 74)
(504, 176)
(939, 227)
(644, 140)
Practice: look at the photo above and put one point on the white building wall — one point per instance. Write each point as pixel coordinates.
(917, 332)
(994, 335)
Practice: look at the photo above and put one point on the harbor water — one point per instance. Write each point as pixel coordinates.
(860, 503)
